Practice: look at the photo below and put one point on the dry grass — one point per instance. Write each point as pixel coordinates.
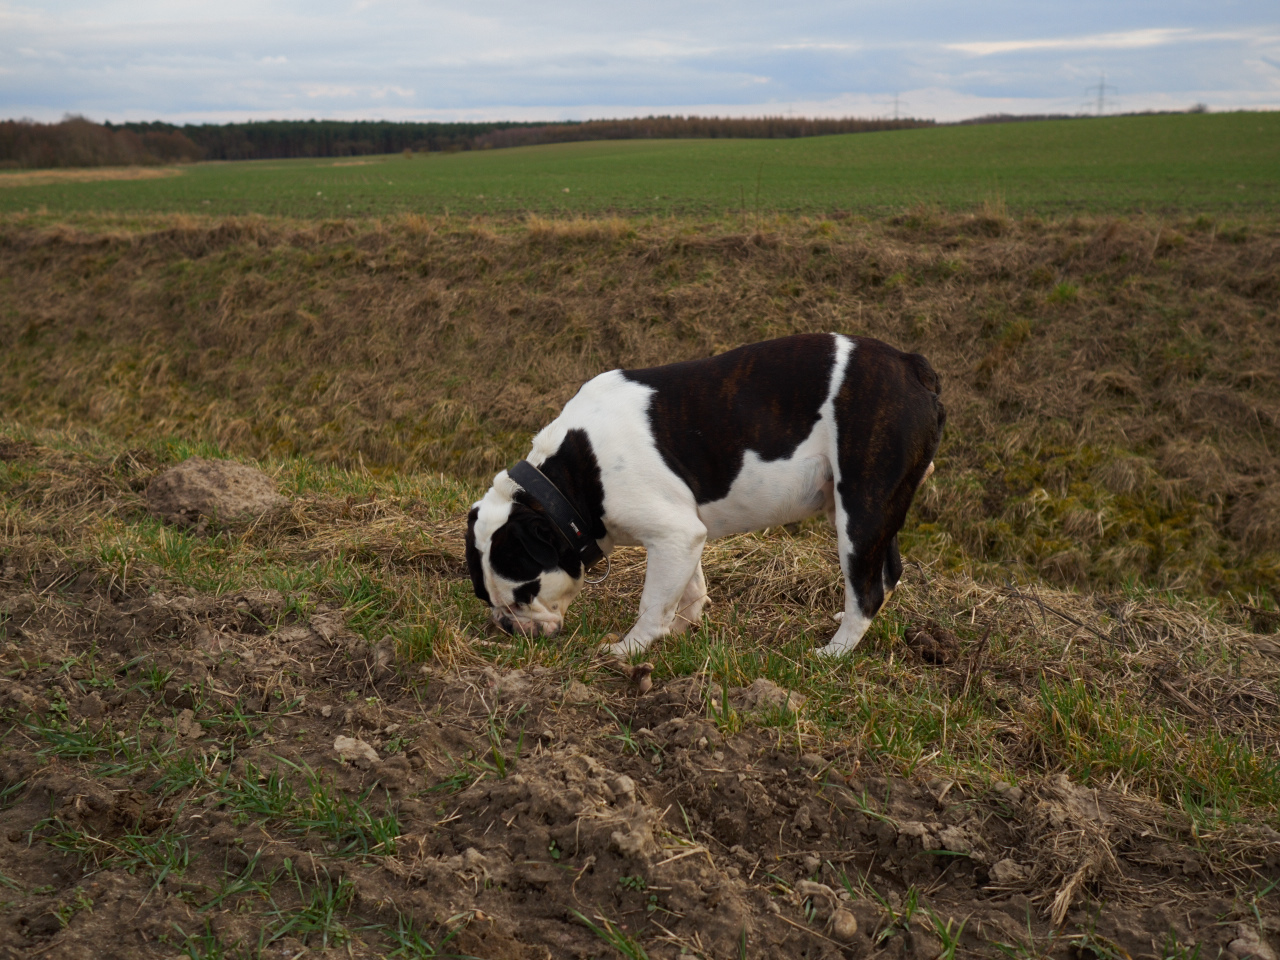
(1113, 386)
(1045, 680)
(32, 178)
(1129, 719)
(578, 229)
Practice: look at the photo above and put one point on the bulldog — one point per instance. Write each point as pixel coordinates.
(669, 457)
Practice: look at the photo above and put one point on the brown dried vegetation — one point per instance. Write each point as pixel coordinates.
(1113, 385)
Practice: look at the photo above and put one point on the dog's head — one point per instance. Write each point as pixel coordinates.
(520, 564)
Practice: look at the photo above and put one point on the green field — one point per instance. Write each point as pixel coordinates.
(1197, 162)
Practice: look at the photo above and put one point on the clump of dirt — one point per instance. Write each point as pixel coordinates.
(198, 492)
(198, 773)
(933, 644)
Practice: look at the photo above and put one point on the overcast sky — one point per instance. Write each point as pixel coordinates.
(189, 60)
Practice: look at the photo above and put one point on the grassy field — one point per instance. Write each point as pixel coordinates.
(1204, 163)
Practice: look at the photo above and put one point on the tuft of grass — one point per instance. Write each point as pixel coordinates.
(348, 823)
(408, 943)
(1094, 733)
(158, 855)
(615, 937)
(1064, 293)
(324, 904)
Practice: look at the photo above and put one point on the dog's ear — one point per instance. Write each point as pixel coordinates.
(473, 557)
(544, 543)
(533, 531)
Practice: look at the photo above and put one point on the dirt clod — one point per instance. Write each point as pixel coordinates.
(933, 644)
(356, 752)
(638, 673)
(384, 659)
(1007, 871)
(199, 491)
(765, 695)
(1250, 946)
(843, 925)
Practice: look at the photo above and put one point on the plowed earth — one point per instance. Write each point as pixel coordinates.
(171, 787)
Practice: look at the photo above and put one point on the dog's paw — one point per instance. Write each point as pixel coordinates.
(846, 639)
(833, 650)
(614, 648)
(619, 651)
(622, 649)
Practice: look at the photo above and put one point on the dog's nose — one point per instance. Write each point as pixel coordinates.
(550, 629)
(506, 626)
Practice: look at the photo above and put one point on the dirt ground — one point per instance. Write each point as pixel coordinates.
(171, 788)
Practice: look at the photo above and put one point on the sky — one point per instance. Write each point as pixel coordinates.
(196, 61)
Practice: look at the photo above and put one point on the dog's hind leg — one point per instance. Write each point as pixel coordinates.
(878, 467)
(870, 562)
(689, 611)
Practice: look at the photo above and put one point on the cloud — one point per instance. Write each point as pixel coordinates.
(421, 59)
(814, 45)
(328, 91)
(1127, 40)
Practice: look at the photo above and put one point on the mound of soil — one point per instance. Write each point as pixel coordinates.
(201, 774)
(198, 492)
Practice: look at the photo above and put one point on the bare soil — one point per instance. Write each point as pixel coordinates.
(524, 803)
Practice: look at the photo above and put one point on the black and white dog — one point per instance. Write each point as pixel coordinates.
(670, 456)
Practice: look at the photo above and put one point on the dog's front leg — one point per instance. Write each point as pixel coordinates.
(673, 561)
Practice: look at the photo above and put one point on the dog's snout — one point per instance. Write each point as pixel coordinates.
(506, 625)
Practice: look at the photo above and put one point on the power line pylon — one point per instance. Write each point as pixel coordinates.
(1101, 88)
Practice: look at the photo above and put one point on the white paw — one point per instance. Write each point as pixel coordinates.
(834, 649)
(624, 649)
(847, 638)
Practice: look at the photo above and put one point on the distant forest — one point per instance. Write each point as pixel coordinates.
(674, 128)
(77, 142)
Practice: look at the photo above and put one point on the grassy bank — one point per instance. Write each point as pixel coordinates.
(1114, 406)
(1115, 685)
(172, 697)
(1219, 163)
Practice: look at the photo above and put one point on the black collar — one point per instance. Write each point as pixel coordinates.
(559, 511)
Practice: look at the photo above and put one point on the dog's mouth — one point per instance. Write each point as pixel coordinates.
(515, 625)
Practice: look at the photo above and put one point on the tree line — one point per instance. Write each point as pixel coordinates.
(281, 139)
(77, 142)
(672, 128)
